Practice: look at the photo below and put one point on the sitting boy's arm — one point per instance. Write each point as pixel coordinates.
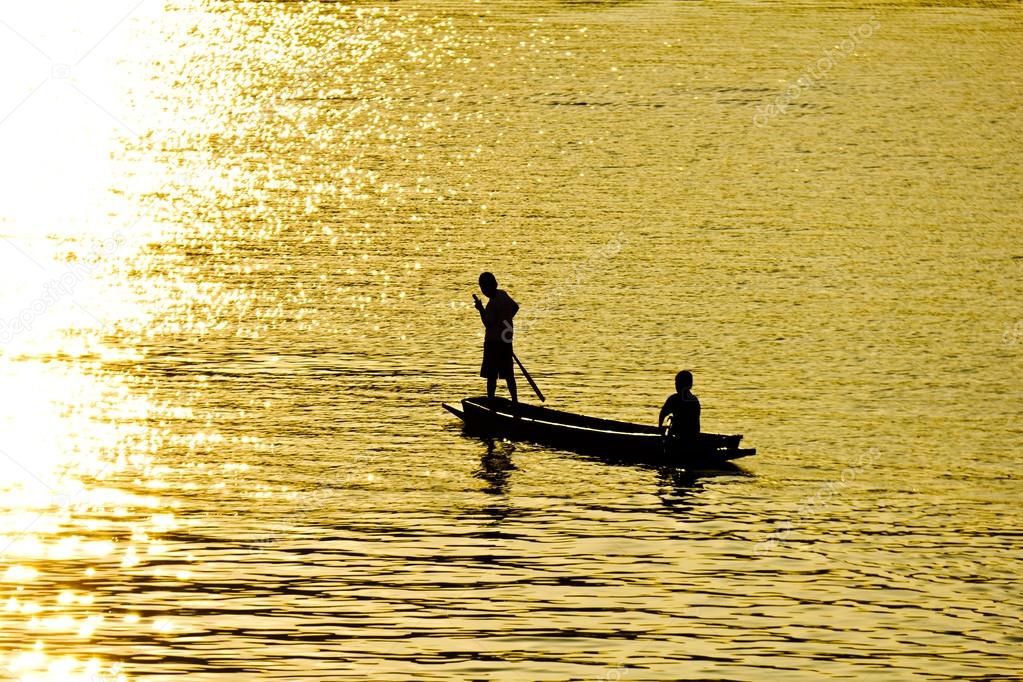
(665, 411)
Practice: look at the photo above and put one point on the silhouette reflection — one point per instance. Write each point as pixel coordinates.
(496, 466)
(678, 487)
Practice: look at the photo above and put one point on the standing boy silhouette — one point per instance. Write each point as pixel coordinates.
(497, 342)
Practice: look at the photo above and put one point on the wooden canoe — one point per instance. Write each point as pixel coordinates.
(605, 437)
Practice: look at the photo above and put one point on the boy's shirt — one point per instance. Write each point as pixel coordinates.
(499, 311)
(685, 414)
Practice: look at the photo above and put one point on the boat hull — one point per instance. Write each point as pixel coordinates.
(603, 437)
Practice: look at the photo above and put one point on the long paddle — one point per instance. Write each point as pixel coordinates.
(536, 389)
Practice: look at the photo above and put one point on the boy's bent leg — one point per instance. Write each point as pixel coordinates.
(512, 389)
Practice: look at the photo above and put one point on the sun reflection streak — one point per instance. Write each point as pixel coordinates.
(36, 666)
(86, 505)
(69, 447)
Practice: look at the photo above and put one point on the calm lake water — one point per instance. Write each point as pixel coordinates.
(240, 243)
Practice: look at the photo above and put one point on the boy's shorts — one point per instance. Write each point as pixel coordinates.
(497, 360)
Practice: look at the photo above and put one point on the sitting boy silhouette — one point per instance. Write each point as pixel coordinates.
(682, 409)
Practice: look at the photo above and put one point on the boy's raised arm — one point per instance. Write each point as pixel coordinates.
(479, 306)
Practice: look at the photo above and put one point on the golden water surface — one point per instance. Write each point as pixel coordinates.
(239, 241)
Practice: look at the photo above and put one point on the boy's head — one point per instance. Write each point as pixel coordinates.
(488, 284)
(683, 381)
